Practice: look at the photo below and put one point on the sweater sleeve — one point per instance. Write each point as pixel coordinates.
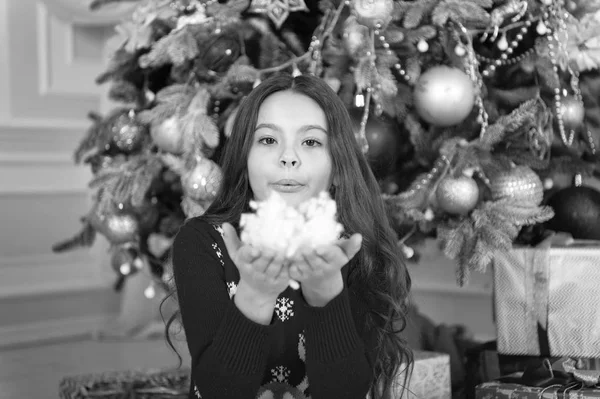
(338, 348)
(228, 351)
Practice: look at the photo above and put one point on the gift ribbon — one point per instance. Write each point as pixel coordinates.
(545, 376)
(589, 378)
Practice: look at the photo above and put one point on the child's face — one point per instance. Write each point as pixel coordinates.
(290, 149)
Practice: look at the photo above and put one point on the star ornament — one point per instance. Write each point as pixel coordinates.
(277, 10)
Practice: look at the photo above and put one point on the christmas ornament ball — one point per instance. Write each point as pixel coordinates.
(520, 183)
(576, 211)
(457, 195)
(572, 112)
(118, 228)
(220, 52)
(125, 260)
(168, 136)
(127, 133)
(382, 135)
(374, 14)
(444, 96)
(202, 182)
(355, 35)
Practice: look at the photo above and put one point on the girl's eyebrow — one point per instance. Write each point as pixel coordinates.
(302, 129)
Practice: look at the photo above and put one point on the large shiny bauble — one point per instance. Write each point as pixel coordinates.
(444, 96)
(219, 52)
(202, 183)
(520, 184)
(457, 195)
(168, 136)
(576, 211)
(382, 135)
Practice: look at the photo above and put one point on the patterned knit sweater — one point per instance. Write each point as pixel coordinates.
(305, 353)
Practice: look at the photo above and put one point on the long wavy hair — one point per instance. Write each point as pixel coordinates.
(377, 273)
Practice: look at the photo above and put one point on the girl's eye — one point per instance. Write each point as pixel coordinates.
(312, 143)
(267, 140)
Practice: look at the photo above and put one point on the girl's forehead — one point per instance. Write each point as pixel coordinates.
(288, 107)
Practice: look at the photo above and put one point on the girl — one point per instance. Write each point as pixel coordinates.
(248, 333)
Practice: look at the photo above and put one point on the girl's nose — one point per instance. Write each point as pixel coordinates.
(289, 159)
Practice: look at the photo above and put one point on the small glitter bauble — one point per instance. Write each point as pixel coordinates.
(374, 14)
(203, 182)
(520, 183)
(572, 112)
(118, 228)
(444, 96)
(457, 195)
(127, 133)
(125, 260)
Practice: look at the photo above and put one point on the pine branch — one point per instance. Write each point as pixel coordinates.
(451, 236)
(413, 68)
(513, 97)
(175, 48)
(402, 101)
(545, 72)
(273, 51)
(400, 9)
(91, 138)
(417, 12)
(423, 32)
(464, 257)
(170, 101)
(125, 92)
(173, 162)
(466, 12)
(228, 11)
(119, 185)
(120, 64)
(481, 257)
(147, 174)
(198, 129)
(85, 238)
(466, 157)
(386, 86)
(521, 157)
(524, 114)
(570, 165)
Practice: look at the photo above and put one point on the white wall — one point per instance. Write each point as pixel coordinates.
(50, 53)
(438, 296)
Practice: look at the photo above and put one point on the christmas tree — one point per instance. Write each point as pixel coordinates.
(465, 109)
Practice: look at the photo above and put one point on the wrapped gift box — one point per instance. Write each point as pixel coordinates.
(430, 378)
(499, 390)
(142, 384)
(546, 301)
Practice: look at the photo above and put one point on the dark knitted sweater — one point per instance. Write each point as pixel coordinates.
(306, 352)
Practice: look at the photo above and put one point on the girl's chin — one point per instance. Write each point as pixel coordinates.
(293, 199)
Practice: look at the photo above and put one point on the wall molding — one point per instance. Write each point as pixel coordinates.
(56, 273)
(52, 330)
(42, 177)
(450, 288)
(60, 71)
(78, 11)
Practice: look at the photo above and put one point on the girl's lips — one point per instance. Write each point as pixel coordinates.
(287, 188)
